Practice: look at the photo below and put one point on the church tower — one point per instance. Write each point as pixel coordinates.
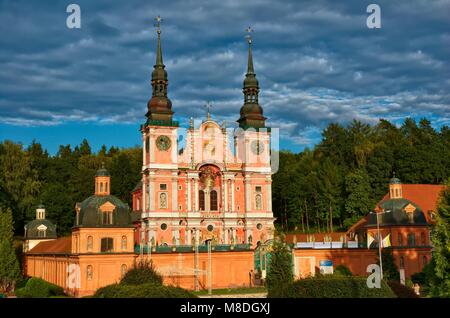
(251, 111)
(159, 138)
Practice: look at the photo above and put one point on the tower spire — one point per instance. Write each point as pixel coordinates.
(159, 59)
(251, 112)
(159, 106)
(250, 69)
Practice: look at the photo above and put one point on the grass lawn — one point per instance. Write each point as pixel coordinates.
(231, 291)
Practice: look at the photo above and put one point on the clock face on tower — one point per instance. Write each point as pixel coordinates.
(257, 147)
(163, 143)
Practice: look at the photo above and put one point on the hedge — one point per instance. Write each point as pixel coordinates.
(142, 291)
(142, 272)
(39, 288)
(333, 287)
(402, 291)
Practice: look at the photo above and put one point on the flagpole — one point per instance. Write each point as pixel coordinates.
(379, 247)
(379, 239)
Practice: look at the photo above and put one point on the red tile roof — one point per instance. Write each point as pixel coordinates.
(424, 195)
(62, 245)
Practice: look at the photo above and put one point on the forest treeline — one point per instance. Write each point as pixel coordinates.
(328, 187)
(333, 185)
(30, 176)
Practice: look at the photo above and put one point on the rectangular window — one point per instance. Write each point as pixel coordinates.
(411, 239)
(258, 189)
(163, 186)
(107, 245)
(107, 218)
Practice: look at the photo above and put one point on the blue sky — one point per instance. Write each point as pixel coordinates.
(316, 62)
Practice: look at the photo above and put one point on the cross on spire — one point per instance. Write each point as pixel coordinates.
(249, 31)
(158, 20)
(208, 107)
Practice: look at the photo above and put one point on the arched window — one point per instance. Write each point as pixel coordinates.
(258, 202)
(107, 245)
(89, 272)
(163, 200)
(400, 239)
(123, 269)
(201, 200)
(106, 187)
(90, 242)
(422, 238)
(124, 243)
(147, 144)
(411, 239)
(402, 262)
(101, 186)
(213, 200)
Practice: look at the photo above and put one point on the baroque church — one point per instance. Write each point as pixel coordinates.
(218, 187)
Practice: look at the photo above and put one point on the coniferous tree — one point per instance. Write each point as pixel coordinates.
(9, 266)
(440, 266)
(280, 273)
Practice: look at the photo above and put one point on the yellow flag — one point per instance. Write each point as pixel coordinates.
(370, 239)
(386, 241)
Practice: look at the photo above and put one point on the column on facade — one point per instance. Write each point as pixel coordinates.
(144, 194)
(225, 194)
(174, 191)
(197, 236)
(233, 207)
(225, 235)
(151, 190)
(188, 190)
(188, 236)
(144, 150)
(196, 205)
(248, 206)
(269, 193)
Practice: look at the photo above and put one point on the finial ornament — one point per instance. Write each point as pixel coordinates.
(208, 107)
(158, 20)
(249, 31)
(103, 165)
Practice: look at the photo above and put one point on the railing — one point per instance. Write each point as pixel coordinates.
(191, 248)
(170, 123)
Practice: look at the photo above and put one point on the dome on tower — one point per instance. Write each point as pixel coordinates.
(91, 212)
(395, 180)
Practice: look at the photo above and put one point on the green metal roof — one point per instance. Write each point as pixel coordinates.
(90, 214)
(31, 229)
(397, 216)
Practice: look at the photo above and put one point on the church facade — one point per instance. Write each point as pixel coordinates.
(218, 186)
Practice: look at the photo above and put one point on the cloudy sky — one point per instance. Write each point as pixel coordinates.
(316, 61)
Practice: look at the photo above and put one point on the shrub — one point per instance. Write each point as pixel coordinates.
(142, 291)
(342, 270)
(334, 287)
(39, 288)
(142, 272)
(402, 291)
(279, 275)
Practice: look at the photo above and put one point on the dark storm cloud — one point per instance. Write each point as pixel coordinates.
(316, 61)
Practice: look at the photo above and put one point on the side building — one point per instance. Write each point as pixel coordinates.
(404, 216)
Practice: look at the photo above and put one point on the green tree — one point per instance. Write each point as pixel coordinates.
(390, 270)
(358, 201)
(440, 267)
(279, 275)
(19, 180)
(9, 266)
